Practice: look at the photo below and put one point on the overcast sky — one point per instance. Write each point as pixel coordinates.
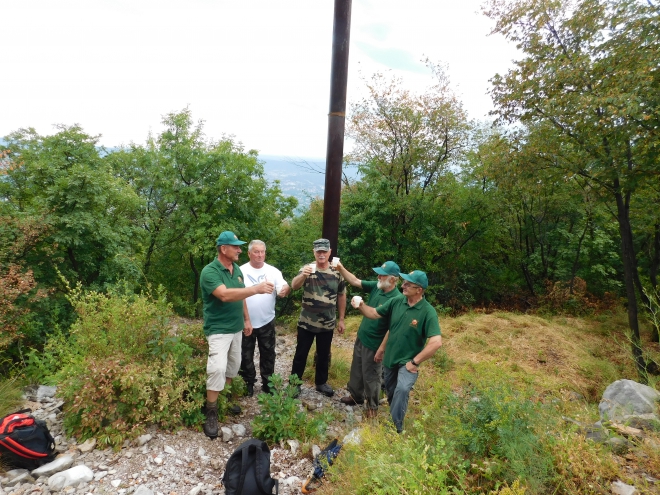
(255, 69)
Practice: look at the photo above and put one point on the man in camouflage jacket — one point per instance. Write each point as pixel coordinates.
(324, 293)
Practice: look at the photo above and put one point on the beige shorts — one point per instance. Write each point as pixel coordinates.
(224, 359)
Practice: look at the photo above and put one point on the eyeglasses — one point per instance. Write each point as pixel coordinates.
(410, 284)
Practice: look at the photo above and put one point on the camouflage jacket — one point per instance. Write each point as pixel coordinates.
(319, 302)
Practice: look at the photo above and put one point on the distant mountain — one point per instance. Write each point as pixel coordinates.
(303, 178)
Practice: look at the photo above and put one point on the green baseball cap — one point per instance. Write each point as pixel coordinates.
(228, 237)
(417, 277)
(388, 268)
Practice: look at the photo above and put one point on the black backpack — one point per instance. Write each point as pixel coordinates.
(248, 470)
(25, 442)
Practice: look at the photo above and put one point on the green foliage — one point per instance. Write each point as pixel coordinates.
(11, 396)
(420, 462)
(192, 188)
(498, 423)
(282, 416)
(123, 368)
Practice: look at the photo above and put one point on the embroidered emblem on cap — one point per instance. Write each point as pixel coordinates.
(384, 265)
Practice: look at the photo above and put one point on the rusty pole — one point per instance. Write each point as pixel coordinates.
(336, 121)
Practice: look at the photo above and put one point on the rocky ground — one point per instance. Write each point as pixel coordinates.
(183, 463)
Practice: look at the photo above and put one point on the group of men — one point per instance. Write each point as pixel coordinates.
(399, 332)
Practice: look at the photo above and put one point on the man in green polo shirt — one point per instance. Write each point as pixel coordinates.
(414, 337)
(366, 366)
(225, 316)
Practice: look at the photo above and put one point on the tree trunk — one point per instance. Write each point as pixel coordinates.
(628, 258)
(195, 295)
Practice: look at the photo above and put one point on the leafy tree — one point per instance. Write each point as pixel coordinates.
(590, 71)
(192, 189)
(63, 179)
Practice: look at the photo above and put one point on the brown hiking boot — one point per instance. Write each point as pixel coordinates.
(211, 423)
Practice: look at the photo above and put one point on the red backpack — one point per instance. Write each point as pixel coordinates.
(25, 442)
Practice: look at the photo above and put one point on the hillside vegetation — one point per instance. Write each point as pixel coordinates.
(491, 411)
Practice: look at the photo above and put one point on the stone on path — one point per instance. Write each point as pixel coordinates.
(88, 446)
(70, 477)
(143, 490)
(141, 440)
(60, 463)
(238, 429)
(227, 434)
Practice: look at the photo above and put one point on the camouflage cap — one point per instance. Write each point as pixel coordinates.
(321, 245)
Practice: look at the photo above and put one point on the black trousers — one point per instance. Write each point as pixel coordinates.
(323, 344)
(265, 337)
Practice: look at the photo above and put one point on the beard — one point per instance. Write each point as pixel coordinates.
(384, 284)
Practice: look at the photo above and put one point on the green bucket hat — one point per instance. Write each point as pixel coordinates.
(228, 237)
(417, 277)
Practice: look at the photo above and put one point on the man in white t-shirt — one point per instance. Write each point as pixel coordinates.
(261, 308)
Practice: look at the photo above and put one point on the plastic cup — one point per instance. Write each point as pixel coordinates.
(355, 302)
(313, 265)
(334, 262)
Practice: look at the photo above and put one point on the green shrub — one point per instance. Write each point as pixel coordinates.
(282, 417)
(420, 462)
(123, 367)
(497, 423)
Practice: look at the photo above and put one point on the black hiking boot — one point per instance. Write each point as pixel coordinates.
(211, 423)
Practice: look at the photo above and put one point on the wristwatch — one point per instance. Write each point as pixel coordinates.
(412, 361)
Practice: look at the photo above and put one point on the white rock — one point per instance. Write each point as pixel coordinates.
(100, 475)
(169, 450)
(201, 451)
(316, 450)
(88, 446)
(141, 440)
(195, 490)
(620, 488)
(15, 473)
(291, 480)
(294, 444)
(227, 434)
(158, 460)
(115, 483)
(70, 477)
(353, 437)
(23, 478)
(238, 429)
(45, 391)
(60, 463)
(143, 490)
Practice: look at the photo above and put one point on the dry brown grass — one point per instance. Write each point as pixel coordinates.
(556, 354)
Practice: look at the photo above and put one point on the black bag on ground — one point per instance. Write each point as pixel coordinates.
(25, 442)
(248, 470)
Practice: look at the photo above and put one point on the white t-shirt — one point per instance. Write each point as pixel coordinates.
(262, 306)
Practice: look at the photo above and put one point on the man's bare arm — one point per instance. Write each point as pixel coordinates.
(368, 311)
(233, 295)
(350, 278)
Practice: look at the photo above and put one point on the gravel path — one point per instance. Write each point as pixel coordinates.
(187, 462)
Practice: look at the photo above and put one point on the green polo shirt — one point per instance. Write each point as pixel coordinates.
(221, 317)
(372, 332)
(410, 327)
